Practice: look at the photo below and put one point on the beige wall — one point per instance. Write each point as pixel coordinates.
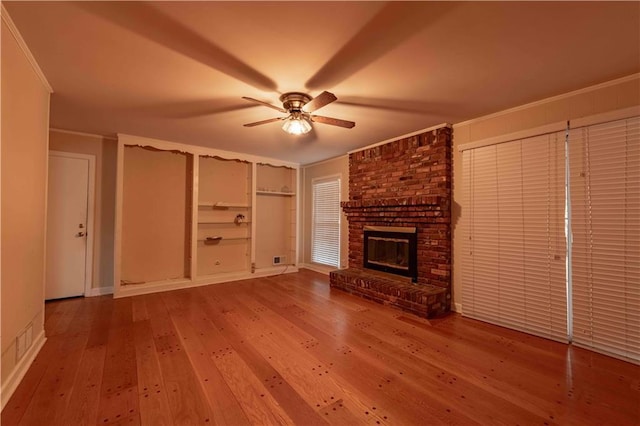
(273, 230)
(335, 166)
(621, 94)
(25, 122)
(224, 180)
(105, 151)
(156, 222)
(275, 219)
(227, 181)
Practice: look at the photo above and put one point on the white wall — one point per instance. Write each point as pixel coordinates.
(611, 96)
(24, 136)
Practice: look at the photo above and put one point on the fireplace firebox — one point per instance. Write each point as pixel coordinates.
(391, 249)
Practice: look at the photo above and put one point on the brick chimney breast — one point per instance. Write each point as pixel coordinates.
(406, 182)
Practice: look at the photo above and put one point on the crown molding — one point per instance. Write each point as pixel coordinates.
(6, 18)
(619, 114)
(408, 135)
(89, 135)
(509, 137)
(328, 160)
(588, 89)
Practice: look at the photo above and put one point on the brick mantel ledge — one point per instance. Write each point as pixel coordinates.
(418, 200)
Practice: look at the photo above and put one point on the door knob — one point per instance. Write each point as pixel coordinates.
(80, 234)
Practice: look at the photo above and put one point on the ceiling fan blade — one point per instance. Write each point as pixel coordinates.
(257, 123)
(324, 98)
(277, 108)
(332, 121)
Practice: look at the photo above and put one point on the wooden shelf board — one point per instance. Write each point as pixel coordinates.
(223, 204)
(224, 239)
(288, 194)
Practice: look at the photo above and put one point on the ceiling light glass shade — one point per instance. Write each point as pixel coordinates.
(296, 126)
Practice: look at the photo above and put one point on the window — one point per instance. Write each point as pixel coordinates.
(514, 213)
(514, 262)
(325, 240)
(605, 213)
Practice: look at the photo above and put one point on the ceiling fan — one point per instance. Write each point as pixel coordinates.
(299, 107)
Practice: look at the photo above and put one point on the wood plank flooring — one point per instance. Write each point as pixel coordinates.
(288, 350)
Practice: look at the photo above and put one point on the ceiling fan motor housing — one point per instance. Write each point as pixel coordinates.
(294, 101)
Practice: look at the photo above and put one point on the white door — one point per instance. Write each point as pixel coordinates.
(68, 196)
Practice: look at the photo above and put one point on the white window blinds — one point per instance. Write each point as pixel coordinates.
(325, 242)
(605, 203)
(513, 268)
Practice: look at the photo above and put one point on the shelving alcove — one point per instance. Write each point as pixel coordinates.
(189, 216)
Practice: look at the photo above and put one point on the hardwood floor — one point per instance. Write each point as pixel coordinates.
(288, 350)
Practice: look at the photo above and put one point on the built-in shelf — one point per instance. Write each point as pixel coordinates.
(288, 194)
(241, 213)
(213, 240)
(223, 205)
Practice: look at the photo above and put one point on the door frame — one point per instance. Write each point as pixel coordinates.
(91, 187)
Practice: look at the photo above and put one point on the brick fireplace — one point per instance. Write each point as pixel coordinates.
(404, 183)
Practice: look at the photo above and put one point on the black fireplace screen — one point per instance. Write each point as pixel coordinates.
(393, 250)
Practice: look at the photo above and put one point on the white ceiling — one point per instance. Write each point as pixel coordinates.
(177, 70)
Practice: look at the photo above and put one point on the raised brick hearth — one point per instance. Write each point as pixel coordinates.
(402, 183)
(422, 300)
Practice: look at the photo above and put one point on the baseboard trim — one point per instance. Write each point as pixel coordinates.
(99, 291)
(21, 368)
(457, 307)
(155, 287)
(179, 284)
(274, 270)
(318, 268)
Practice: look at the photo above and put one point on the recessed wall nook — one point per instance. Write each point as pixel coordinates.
(401, 185)
(188, 216)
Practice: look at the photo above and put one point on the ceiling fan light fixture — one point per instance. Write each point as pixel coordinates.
(296, 125)
(300, 106)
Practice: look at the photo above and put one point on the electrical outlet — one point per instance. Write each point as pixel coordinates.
(21, 346)
(24, 341)
(29, 336)
(279, 260)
